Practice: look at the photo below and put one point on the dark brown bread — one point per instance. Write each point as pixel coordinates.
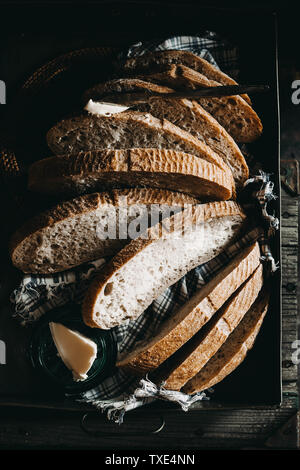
(105, 169)
(186, 114)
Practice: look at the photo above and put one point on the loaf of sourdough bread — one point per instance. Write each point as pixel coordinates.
(193, 356)
(125, 130)
(186, 114)
(158, 60)
(88, 227)
(232, 112)
(234, 350)
(99, 170)
(142, 270)
(192, 316)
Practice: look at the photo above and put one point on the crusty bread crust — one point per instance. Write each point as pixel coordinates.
(87, 204)
(105, 169)
(234, 350)
(153, 61)
(192, 315)
(56, 136)
(186, 114)
(187, 362)
(191, 216)
(232, 112)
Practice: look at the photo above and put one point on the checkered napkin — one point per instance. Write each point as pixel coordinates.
(38, 294)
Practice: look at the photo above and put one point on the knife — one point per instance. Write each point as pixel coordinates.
(210, 92)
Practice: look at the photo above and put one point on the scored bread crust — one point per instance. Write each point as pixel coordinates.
(186, 114)
(105, 169)
(190, 217)
(195, 354)
(232, 112)
(142, 121)
(153, 61)
(234, 350)
(119, 85)
(87, 204)
(192, 315)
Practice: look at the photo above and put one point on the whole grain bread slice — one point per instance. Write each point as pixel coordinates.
(193, 356)
(234, 350)
(100, 170)
(126, 130)
(186, 114)
(232, 112)
(142, 270)
(88, 228)
(155, 61)
(190, 318)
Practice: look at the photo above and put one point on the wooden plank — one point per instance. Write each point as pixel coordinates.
(289, 240)
(210, 429)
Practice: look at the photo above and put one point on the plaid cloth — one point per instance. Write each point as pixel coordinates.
(39, 294)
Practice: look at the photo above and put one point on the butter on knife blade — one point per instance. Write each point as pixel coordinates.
(104, 109)
(77, 352)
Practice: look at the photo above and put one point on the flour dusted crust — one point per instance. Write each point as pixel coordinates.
(105, 169)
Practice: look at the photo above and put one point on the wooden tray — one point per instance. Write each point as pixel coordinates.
(44, 98)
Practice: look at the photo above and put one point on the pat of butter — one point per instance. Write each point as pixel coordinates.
(104, 109)
(76, 351)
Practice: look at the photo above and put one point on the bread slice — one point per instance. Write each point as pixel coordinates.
(234, 350)
(78, 231)
(232, 112)
(155, 61)
(186, 114)
(126, 130)
(141, 271)
(193, 356)
(99, 170)
(189, 318)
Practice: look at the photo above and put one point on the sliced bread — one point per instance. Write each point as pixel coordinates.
(155, 61)
(234, 350)
(232, 112)
(126, 130)
(99, 170)
(189, 318)
(88, 228)
(186, 114)
(141, 271)
(193, 356)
